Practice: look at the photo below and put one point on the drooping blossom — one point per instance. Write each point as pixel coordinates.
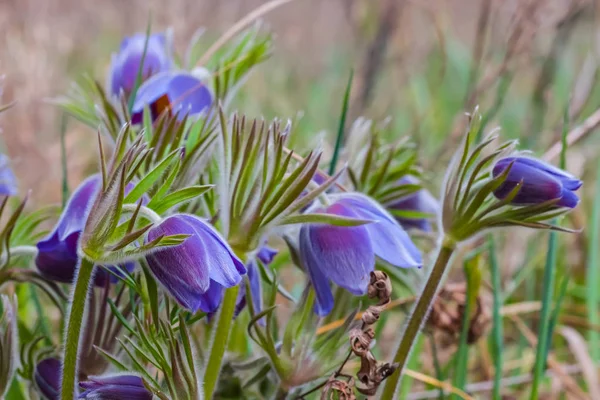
(541, 182)
(174, 92)
(125, 387)
(196, 271)
(125, 64)
(47, 378)
(346, 255)
(421, 201)
(57, 256)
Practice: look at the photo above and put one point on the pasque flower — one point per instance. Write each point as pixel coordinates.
(125, 64)
(57, 256)
(47, 378)
(346, 255)
(541, 182)
(195, 271)
(112, 387)
(421, 201)
(8, 182)
(175, 92)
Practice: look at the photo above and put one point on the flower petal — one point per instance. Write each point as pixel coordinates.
(47, 378)
(225, 268)
(323, 297)
(390, 242)
(184, 269)
(537, 184)
(569, 181)
(345, 254)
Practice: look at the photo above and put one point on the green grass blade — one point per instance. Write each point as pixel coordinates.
(342, 125)
(473, 278)
(497, 334)
(543, 331)
(592, 279)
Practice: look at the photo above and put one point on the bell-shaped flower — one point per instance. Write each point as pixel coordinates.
(195, 271)
(176, 93)
(541, 182)
(125, 65)
(346, 255)
(8, 182)
(111, 387)
(421, 202)
(47, 378)
(57, 256)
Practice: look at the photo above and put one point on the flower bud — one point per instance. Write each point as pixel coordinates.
(195, 271)
(47, 378)
(129, 387)
(125, 64)
(541, 182)
(176, 93)
(346, 255)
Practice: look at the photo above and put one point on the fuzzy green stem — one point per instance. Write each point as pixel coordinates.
(75, 319)
(219, 341)
(419, 315)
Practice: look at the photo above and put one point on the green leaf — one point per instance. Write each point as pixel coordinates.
(152, 290)
(342, 124)
(410, 214)
(330, 219)
(148, 181)
(177, 198)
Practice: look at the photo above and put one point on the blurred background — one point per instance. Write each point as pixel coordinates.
(422, 63)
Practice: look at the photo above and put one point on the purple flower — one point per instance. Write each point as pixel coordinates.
(8, 182)
(47, 378)
(346, 255)
(541, 182)
(57, 256)
(178, 93)
(125, 64)
(195, 271)
(421, 201)
(125, 387)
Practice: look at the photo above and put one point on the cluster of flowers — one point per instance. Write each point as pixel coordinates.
(196, 272)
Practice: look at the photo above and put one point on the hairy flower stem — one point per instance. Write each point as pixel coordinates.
(419, 315)
(75, 319)
(219, 341)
